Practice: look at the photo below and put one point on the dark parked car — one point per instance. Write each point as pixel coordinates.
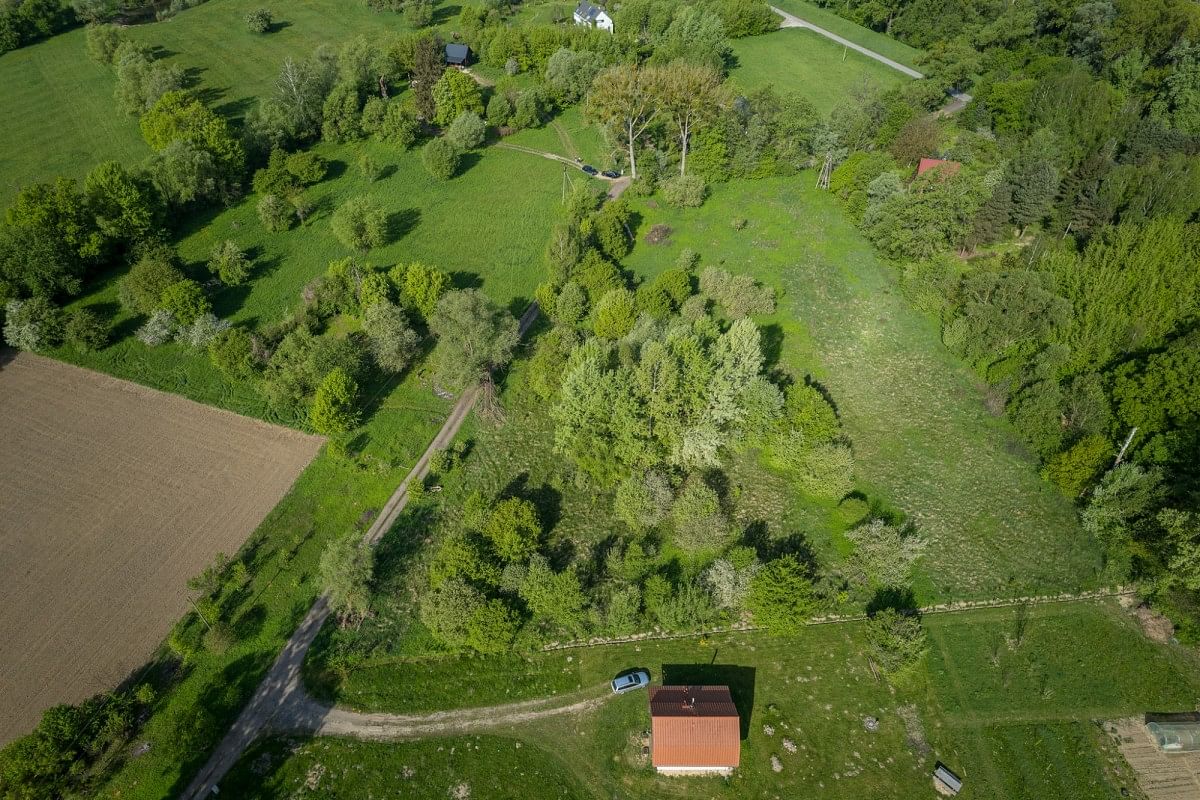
(589, 169)
(611, 173)
(627, 683)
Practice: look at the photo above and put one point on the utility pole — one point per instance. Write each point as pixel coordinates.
(1125, 446)
(198, 614)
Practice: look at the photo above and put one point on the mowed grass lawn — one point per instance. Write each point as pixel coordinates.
(879, 42)
(1015, 720)
(799, 60)
(57, 115)
(923, 440)
(487, 226)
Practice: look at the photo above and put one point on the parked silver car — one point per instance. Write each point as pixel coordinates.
(633, 680)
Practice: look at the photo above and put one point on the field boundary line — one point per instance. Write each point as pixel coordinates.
(838, 619)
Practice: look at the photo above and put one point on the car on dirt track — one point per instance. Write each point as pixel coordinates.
(611, 173)
(589, 169)
(637, 679)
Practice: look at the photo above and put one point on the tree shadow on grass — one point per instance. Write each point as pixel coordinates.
(445, 13)
(468, 160)
(400, 546)
(758, 536)
(545, 498)
(229, 299)
(894, 598)
(401, 223)
(739, 679)
(772, 345)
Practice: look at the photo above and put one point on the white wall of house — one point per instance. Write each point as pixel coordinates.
(695, 770)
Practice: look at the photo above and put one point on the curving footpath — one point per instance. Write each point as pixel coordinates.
(283, 687)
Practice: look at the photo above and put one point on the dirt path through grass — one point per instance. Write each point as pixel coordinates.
(302, 714)
(284, 680)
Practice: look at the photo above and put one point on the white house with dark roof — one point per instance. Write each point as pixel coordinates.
(593, 16)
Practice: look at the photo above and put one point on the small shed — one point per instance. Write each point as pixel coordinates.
(458, 55)
(945, 169)
(695, 730)
(592, 16)
(1175, 733)
(945, 781)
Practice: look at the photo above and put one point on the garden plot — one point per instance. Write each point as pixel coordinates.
(111, 496)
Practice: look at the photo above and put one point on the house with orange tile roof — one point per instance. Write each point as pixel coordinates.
(695, 730)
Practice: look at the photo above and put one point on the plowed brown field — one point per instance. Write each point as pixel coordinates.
(111, 496)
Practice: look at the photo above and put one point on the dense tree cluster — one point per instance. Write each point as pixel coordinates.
(1076, 188)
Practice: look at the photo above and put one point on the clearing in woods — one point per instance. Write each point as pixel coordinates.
(112, 496)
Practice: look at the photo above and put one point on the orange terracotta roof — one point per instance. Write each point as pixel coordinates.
(947, 168)
(694, 726)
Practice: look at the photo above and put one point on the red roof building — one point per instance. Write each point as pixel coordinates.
(694, 729)
(947, 169)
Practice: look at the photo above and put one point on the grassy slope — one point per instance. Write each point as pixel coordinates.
(58, 115)
(427, 770)
(800, 60)
(1016, 729)
(881, 43)
(914, 413)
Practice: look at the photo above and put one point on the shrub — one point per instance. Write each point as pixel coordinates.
(399, 126)
(359, 224)
(689, 607)
(185, 300)
(142, 287)
(739, 295)
(85, 331)
(369, 167)
(392, 342)
(557, 596)
(897, 641)
(808, 412)
(781, 596)
(158, 330)
(610, 226)
(684, 191)
(418, 13)
(467, 131)
(728, 583)
(32, 324)
(614, 314)
(333, 408)
(420, 286)
(346, 568)
(219, 638)
(1074, 469)
(441, 158)
(643, 501)
(824, 470)
(513, 529)
(102, 42)
(229, 263)
(259, 20)
(699, 522)
(274, 213)
(232, 353)
(203, 330)
(884, 554)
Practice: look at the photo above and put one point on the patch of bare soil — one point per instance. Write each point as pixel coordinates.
(659, 234)
(1156, 627)
(111, 496)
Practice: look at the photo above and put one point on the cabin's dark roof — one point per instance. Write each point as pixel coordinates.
(457, 53)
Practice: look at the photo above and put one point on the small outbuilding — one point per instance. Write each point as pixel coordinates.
(945, 781)
(457, 55)
(944, 168)
(593, 16)
(1175, 733)
(695, 730)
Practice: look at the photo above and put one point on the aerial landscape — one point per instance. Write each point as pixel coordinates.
(654, 398)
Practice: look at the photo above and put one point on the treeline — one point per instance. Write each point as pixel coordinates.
(1059, 247)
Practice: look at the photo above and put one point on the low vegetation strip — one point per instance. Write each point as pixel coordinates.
(111, 496)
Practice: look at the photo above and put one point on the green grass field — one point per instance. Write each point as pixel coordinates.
(1015, 725)
(923, 440)
(881, 43)
(59, 117)
(800, 60)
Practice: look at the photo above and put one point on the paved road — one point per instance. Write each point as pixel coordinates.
(958, 100)
(283, 686)
(792, 21)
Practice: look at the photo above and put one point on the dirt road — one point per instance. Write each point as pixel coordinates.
(283, 687)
